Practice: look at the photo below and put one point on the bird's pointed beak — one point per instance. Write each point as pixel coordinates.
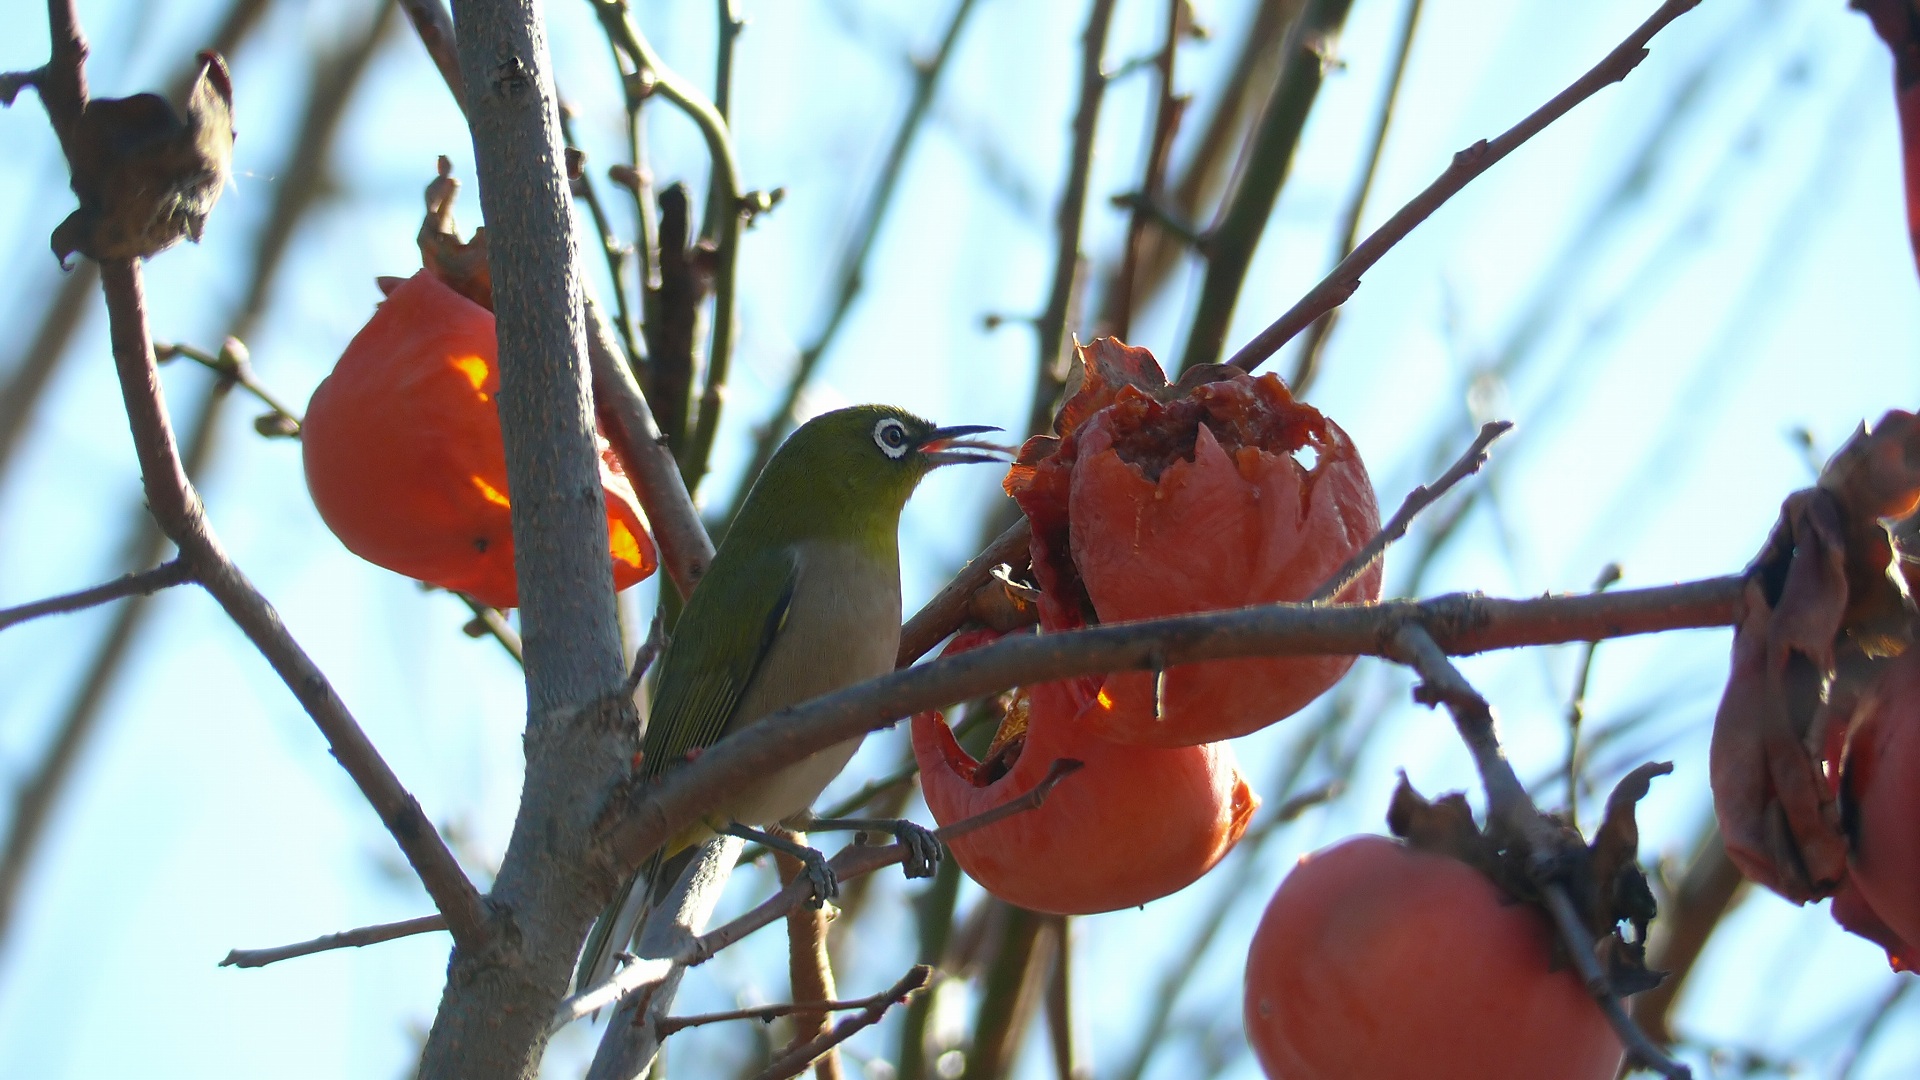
(951, 446)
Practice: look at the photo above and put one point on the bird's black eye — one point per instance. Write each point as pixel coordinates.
(890, 436)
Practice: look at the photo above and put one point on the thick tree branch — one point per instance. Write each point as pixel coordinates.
(1460, 624)
(1338, 285)
(143, 583)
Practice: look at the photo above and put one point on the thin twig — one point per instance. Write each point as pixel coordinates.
(177, 508)
(1577, 703)
(1167, 111)
(488, 620)
(143, 583)
(1876, 1021)
(1417, 500)
(1513, 821)
(1235, 234)
(1578, 940)
(233, 366)
(861, 859)
(809, 969)
(345, 939)
(795, 1061)
(434, 24)
(1689, 913)
(766, 1014)
(1308, 365)
(1334, 289)
(849, 272)
(944, 613)
(1051, 329)
(620, 28)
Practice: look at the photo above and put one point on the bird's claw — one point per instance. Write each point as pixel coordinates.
(923, 849)
(821, 882)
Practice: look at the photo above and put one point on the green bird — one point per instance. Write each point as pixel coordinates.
(802, 598)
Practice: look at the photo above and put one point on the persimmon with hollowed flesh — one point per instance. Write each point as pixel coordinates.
(404, 458)
(1162, 500)
(1375, 961)
(1132, 824)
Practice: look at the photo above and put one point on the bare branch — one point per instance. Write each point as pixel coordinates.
(768, 1013)
(795, 1061)
(943, 614)
(176, 508)
(345, 939)
(1051, 329)
(849, 271)
(1235, 234)
(685, 549)
(1338, 285)
(434, 24)
(1307, 367)
(1417, 500)
(143, 583)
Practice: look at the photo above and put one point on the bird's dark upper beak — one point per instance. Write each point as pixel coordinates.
(950, 446)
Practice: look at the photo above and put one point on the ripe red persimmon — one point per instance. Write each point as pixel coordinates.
(404, 458)
(1159, 501)
(1132, 824)
(1880, 802)
(1375, 961)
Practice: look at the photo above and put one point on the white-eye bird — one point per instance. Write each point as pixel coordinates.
(802, 598)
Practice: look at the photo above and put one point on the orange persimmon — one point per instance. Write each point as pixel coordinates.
(1879, 779)
(1132, 824)
(403, 454)
(1376, 960)
(1162, 500)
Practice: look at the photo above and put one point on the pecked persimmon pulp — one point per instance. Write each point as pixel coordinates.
(1374, 961)
(403, 455)
(1131, 825)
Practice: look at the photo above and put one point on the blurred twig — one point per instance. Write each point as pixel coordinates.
(142, 583)
(1577, 704)
(1706, 891)
(1417, 500)
(1051, 330)
(809, 971)
(725, 192)
(795, 1061)
(1307, 367)
(303, 181)
(1334, 289)
(1228, 246)
(849, 270)
(1117, 317)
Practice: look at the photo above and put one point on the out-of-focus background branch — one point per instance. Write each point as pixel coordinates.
(1635, 287)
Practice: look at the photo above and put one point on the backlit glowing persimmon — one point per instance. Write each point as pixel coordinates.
(1162, 500)
(1381, 962)
(403, 453)
(1132, 824)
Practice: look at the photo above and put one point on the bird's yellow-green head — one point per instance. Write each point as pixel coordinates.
(848, 473)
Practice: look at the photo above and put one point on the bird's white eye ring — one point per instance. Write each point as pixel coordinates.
(890, 436)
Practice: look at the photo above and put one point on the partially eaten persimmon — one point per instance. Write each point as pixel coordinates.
(404, 458)
(1132, 824)
(1217, 493)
